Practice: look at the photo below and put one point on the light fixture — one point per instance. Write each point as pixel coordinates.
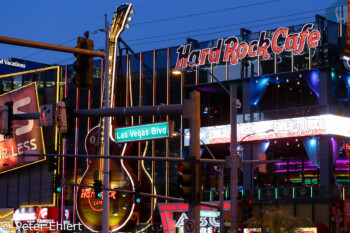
(278, 85)
(300, 76)
(205, 110)
(125, 206)
(115, 212)
(176, 72)
(298, 83)
(277, 78)
(287, 80)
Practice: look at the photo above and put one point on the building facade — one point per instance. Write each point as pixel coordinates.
(292, 83)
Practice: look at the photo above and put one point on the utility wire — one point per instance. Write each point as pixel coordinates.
(41, 51)
(204, 13)
(224, 26)
(228, 30)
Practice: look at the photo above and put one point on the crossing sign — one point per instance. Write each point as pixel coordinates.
(189, 226)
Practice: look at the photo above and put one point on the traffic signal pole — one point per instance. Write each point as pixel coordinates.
(105, 203)
(40, 45)
(233, 159)
(193, 113)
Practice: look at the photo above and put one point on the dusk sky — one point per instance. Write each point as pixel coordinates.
(156, 23)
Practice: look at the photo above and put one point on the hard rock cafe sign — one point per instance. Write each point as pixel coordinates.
(232, 50)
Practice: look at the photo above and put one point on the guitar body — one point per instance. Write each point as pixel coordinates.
(89, 206)
(121, 208)
(146, 187)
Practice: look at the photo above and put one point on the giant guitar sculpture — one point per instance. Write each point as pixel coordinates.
(89, 206)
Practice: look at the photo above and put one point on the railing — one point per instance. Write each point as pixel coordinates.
(283, 193)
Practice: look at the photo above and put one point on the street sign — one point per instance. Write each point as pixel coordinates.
(189, 226)
(210, 214)
(144, 132)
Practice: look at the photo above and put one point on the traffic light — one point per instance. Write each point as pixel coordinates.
(187, 179)
(98, 188)
(84, 65)
(52, 163)
(137, 196)
(247, 211)
(9, 131)
(57, 184)
(3, 119)
(61, 117)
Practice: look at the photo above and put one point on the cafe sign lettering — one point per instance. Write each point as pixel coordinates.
(232, 50)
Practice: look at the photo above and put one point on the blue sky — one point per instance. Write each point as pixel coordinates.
(61, 22)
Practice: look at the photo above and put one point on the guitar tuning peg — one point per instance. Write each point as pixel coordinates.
(132, 12)
(129, 19)
(127, 26)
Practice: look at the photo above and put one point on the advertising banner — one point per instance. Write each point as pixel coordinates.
(26, 134)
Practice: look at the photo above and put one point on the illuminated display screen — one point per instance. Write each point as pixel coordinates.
(274, 129)
(27, 134)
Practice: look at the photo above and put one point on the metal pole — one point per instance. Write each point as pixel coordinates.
(64, 159)
(221, 190)
(76, 152)
(233, 154)
(105, 203)
(194, 151)
(40, 45)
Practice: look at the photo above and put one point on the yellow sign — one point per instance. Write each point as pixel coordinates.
(306, 230)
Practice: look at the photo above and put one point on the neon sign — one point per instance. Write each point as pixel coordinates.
(234, 50)
(206, 223)
(284, 128)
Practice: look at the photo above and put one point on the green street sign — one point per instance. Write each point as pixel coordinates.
(210, 214)
(144, 132)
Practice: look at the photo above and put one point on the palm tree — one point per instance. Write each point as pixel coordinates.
(277, 220)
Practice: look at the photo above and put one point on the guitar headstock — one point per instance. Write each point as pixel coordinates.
(121, 15)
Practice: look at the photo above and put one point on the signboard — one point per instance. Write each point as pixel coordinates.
(211, 214)
(252, 230)
(284, 128)
(27, 134)
(144, 132)
(189, 226)
(338, 12)
(306, 230)
(11, 63)
(174, 215)
(232, 50)
(42, 219)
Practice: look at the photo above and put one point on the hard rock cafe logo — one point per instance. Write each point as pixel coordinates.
(43, 213)
(234, 50)
(95, 202)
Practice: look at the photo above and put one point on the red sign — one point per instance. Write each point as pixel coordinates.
(27, 135)
(234, 50)
(47, 217)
